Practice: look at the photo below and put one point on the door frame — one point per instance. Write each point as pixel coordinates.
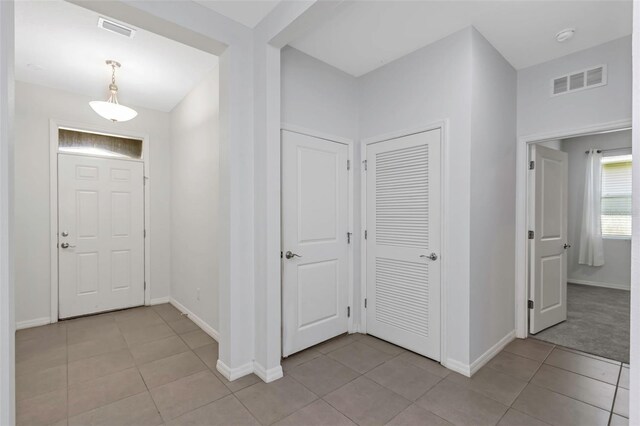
(350, 261)
(524, 203)
(54, 125)
(443, 126)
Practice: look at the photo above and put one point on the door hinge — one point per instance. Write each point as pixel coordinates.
(365, 303)
(348, 164)
(530, 304)
(348, 311)
(349, 237)
(365, 234)
(532, 165)
(145, 285)
(144, 233)
(364, 163)
(531, 235)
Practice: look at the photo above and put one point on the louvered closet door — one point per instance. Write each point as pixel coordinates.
(403, 224)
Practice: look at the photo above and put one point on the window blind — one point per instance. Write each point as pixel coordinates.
(616, 196)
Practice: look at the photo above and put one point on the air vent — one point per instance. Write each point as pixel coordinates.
(579, 80)
(560, 85)
(115, 27)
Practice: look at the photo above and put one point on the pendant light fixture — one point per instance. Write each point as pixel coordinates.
(111, 109)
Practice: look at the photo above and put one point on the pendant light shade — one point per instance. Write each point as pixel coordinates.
(111, 109)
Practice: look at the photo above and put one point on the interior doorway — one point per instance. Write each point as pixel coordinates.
(579, 264)
(316, 240)
(403, 212)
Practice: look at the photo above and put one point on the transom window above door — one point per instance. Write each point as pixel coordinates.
(616, 196)
(100, 145)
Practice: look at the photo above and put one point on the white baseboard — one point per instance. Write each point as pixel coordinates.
(232, 374)
(599, 284)
(193, 317)
(159, 301)
(36, 322)
(458, 367)
(267, 376)
(470, 369)
(493, 351)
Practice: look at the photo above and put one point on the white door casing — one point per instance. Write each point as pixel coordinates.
(101, 209)
(548, 290)
(314, 227)
(403, 222)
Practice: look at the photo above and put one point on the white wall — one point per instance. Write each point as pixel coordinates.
(616, 270)
(7, 285)
(35, 106)
(426, 86)
(318, 96)
(539, 112)
(194, 200)
(493, 197)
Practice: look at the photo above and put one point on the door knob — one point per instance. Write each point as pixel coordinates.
(291, 255)
(566, 246)
(432, 256)
(66, 245)
(65, 234)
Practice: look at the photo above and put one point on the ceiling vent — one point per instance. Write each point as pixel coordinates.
(579, 80)
(115, 27)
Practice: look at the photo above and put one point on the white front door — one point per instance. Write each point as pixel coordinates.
(403, 242)
(548, 290)
(314, 240)
(100, 234)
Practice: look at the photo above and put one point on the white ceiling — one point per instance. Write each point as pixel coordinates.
(369, 34)
(59, 45)
(247, 12)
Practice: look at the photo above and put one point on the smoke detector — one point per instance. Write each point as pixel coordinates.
(565, 35)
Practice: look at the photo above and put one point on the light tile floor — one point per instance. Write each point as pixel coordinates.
(153, 366)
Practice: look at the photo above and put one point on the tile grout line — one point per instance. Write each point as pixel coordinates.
(615, 395)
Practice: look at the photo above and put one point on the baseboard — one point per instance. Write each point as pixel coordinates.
(599, 284)
(159, 301)
(193, 317)
(458, 367)
(267, 376)
(232, 374)
(470, 369)
(491, 352)
(36, 322)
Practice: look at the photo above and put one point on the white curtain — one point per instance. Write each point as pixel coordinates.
(591, 251)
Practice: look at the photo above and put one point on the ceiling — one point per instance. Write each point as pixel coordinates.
(59, 45)
(369, 34)
(248, 13)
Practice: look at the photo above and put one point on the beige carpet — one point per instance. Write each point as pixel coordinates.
(597, 322)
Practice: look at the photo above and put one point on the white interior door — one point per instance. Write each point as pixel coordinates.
(548, 290)
(403, 242)
(100, 234)
(314, 240)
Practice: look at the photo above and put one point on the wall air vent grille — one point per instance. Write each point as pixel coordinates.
(579, 80)
(115, 27)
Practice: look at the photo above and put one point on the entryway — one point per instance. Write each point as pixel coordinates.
(101, 232)
(580, 249)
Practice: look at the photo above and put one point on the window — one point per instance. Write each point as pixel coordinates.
(616, 196)
(77, 142)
